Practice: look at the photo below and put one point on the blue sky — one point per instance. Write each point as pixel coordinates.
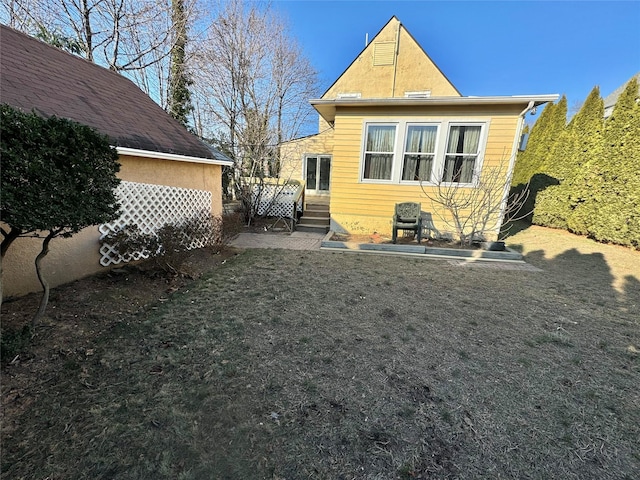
(485, 47)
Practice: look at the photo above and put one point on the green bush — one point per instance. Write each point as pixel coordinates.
(57, 178)
(551, 208)
(588, 177)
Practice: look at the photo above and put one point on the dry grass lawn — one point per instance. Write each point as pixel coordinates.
(320, 365)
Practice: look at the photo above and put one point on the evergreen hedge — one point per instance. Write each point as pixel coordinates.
(584, 176)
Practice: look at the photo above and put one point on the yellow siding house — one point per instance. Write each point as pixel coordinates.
(393, 127)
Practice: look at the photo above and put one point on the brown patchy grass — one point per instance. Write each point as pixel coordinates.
(287, 364)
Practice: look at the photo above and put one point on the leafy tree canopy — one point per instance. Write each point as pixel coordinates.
(57, 175)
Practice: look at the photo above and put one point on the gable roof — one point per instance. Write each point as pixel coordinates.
(404, 70)
(42, 78)
(393, 55)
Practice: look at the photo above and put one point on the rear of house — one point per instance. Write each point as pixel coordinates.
(392, 127)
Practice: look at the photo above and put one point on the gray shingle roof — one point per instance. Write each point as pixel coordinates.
(612, 98)
(37, 76)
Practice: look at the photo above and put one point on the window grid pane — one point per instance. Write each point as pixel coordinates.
(419, 152)
(459, 168)
(325, 168)
(417, 167)
(312, 166)
(464, 139)
(378, 158)
(377, 166)
(462, 151)
(380, 138)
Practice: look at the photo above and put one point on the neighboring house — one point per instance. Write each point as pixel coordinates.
(155, 150)
(393, 124)
(611, 100)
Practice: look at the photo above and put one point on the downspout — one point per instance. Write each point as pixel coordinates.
(395, 61)
(512, 163)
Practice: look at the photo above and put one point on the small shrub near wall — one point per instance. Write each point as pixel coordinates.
(169, 246)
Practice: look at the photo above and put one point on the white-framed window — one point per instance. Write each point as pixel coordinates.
(412, 151)
(419, 152)
(379, 151)
(461, 156)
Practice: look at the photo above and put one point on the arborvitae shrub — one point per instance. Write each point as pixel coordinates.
(588, 173)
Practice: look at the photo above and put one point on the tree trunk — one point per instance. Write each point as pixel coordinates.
(45, 285)
(8, 239)
(179, 98)
(86, 23)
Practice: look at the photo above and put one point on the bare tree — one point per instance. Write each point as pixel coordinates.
(251, 86)
(476, 211)
(132, 37)
(179, 104)
(295, 81)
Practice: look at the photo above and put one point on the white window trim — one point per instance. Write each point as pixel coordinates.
(348, 95)
(443, 125)
(304, 170)
(363, 151)
(420, 94)
(482, 146)
(435, 152)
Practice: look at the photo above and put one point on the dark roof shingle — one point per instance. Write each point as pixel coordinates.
(37, 76)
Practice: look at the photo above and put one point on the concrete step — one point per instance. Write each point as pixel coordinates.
(302, 227)
(317, 208)
(316, 218)
(321, 221)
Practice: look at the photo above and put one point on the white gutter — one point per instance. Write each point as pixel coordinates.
(448, 100)
(516, 140)
(134, 152)
(327, 107)
(512, 160)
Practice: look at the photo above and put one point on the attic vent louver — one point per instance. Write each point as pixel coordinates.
(383, 53)
(423, 94)
(349, 95)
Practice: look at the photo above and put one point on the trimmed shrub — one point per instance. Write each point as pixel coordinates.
(585, 177)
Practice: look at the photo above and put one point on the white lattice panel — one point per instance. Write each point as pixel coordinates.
(276, 200)
(150, 207)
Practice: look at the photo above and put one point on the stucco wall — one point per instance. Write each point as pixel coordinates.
(412, 70)
(199, 176)
(292, 153)
(76, 257)
(68, 260)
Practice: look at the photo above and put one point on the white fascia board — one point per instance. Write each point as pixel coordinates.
(134, 152)
(472, 100)
(327, 107)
